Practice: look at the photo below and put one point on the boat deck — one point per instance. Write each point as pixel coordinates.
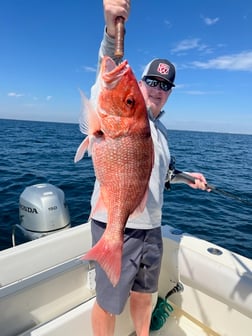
(181, 324)
(75, 322)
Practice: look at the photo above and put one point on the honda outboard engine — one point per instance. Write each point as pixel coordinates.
(42, 211)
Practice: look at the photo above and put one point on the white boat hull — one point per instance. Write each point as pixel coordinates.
(46, 289)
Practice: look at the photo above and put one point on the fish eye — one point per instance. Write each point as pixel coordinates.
(130, 102)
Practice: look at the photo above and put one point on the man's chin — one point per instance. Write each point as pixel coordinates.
(154, 109)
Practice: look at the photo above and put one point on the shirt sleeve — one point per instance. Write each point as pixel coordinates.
(107, 48)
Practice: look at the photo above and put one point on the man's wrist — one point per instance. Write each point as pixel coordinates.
(110, 32)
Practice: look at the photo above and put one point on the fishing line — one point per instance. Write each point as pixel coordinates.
(180, 176)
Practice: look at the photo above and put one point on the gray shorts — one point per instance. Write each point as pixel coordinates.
(141, 262)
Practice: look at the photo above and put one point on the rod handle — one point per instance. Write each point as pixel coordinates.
(119, 37)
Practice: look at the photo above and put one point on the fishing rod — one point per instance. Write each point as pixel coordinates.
(179, 176)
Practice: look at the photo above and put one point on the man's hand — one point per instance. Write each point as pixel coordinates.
(113, 9)
(199, 182)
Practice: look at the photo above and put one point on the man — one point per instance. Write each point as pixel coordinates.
(142, 251)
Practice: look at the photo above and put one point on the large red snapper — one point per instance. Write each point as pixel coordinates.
(119, 140)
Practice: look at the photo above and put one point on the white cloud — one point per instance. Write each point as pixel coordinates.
(14, 94)
(89, 69)
(196, 92)
(48, 98)
(167, 23)
(209, 22)
(200, 92)
(189, 44)
(241, 61)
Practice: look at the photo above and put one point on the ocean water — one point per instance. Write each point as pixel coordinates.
(41, 152)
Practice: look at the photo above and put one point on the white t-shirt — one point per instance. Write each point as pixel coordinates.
(152, 214)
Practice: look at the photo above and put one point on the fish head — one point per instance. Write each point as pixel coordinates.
(121, 106)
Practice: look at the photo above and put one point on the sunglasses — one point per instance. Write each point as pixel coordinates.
(154, 82)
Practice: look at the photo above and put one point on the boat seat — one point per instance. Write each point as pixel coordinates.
(226, 277)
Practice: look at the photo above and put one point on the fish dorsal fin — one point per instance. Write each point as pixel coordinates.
(89, 120)
(89, 125)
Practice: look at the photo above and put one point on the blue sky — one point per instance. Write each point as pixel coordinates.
(49, 51)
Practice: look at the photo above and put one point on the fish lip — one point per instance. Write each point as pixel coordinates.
(111, 72)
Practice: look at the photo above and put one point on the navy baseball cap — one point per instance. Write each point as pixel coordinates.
(162, 68)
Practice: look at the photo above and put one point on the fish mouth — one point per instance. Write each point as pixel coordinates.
(111, 72)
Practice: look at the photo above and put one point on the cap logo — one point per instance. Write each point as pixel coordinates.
(163, 68)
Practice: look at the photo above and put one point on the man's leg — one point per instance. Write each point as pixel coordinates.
(141, 309)
(103, 323)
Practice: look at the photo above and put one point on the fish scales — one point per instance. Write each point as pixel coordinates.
(122, 153)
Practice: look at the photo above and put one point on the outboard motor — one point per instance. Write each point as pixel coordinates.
(42, 211)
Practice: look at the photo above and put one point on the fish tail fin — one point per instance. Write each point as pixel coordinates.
(109, 255)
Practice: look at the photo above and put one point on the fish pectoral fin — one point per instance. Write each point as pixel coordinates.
(81, 150)
(108, 254)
